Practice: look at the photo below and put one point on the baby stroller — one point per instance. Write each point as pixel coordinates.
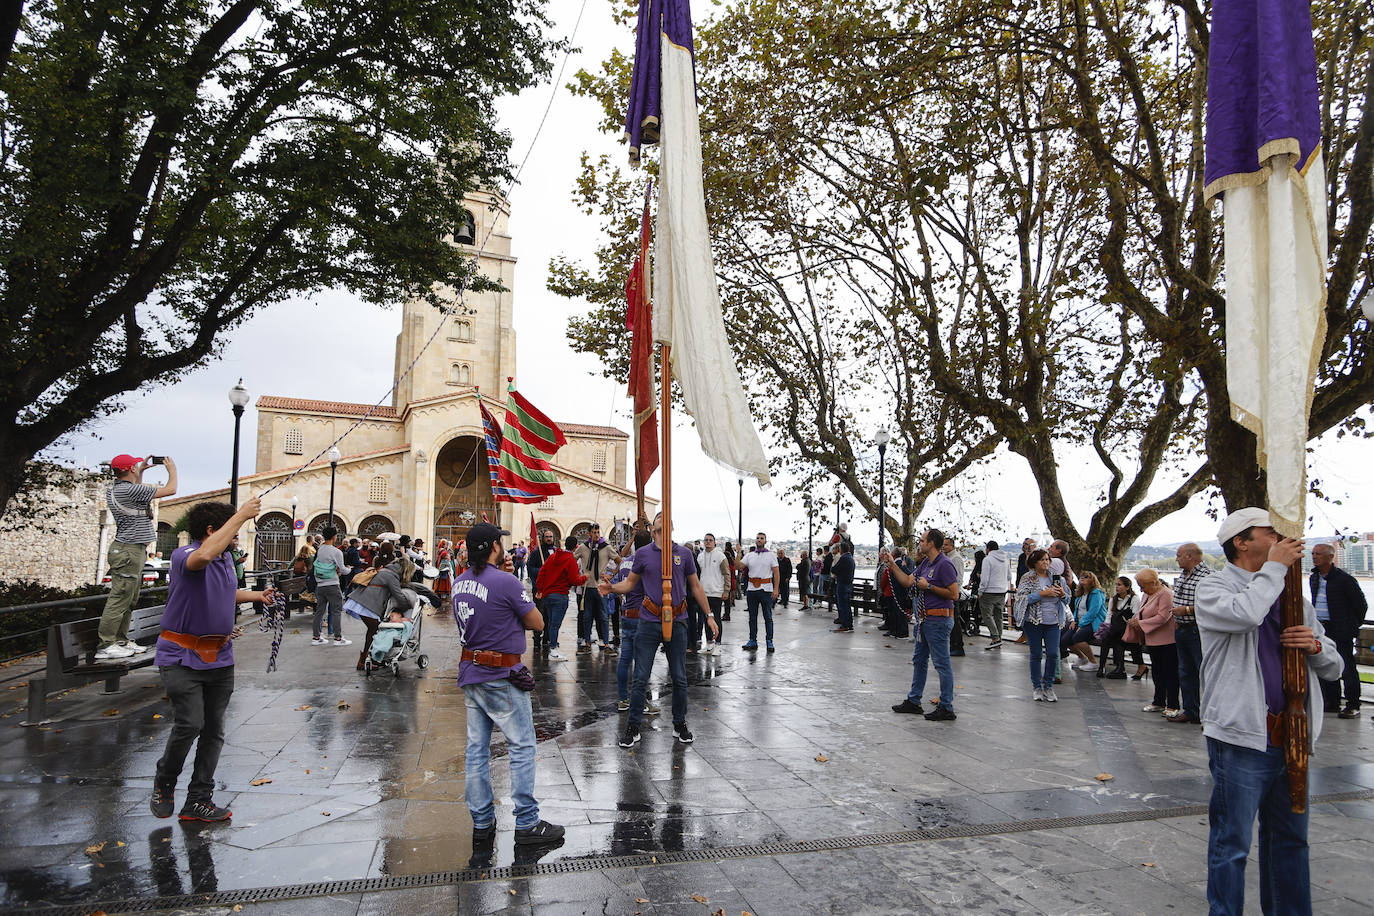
(396, 642)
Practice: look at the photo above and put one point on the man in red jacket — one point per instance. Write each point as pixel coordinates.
(559, 573)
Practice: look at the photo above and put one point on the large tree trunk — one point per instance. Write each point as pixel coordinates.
(1235, 464)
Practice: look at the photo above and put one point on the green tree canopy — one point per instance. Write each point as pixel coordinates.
(168, 168)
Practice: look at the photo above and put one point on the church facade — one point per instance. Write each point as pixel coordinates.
(418, 465)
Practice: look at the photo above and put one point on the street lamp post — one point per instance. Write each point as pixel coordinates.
(882, 439)
(334, 456)
(238, 398)
(739, 535)
(809, 533)
(295, 500)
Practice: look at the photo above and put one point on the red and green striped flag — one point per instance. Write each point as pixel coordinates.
(529, 440)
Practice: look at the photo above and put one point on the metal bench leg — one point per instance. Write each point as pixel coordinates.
(111, 685)
(37, 712)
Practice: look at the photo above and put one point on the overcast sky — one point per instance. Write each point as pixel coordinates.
(289, 351)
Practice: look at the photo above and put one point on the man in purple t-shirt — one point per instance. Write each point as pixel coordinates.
(936, 588)
(493, 610)
(648, 567)
(195, 655)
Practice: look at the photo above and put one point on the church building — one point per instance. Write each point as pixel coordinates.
(418, 465)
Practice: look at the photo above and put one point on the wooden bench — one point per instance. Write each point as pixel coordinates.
(72, 663)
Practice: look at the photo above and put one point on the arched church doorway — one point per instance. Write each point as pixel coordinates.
(374, 525)
(462, 488)
(541, 527)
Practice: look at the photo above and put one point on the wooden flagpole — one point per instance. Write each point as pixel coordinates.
(1295, 724)
(666, 461)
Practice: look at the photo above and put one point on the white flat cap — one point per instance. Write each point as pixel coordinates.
(1238, 521)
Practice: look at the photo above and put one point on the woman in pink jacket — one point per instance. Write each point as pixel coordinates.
(1157, 620)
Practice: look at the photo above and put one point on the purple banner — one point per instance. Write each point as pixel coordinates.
(658, 19)
(1261, 86)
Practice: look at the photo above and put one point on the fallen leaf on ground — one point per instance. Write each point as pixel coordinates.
(512, 892)
(698, 898)
(641, 900)
(1103, 777)
(887, 645)
(94, 849)
(653, 860)
(1147, 864)
(307, 772)
(119, 842)
(958, 686)
(260, 781)
(303, 708)
(344, 706)
(110, 712)
(821, 758)
(157, 715)
(325, 813)
(238, 908)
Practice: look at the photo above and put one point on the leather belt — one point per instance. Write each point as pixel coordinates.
(207, 647)
(656, 611)
(757, 582)
(490, 658)
(939, 612)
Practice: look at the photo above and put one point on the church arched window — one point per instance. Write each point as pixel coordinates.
(465, 233)
(462, 329)
(462, 374)
(295, 442)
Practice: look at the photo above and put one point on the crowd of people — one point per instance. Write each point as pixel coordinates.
(1214, 638)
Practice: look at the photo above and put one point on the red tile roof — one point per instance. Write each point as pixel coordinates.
(387, 412)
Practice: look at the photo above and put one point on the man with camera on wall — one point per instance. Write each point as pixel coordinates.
(130, 501)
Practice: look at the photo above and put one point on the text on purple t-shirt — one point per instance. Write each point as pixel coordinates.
(940, 573)
(648, 565)
(199, 603)
(488, 607)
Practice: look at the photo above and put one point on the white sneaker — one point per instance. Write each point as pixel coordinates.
(556, 656)
(343, 642)
(135, 649)
(1172, 713)
(650, 709)
(714, 648)
(1038, 695)
(1050, 695)
(1075, 665)
(1090, 666)
(1151, 708)
(319, 641)
(113, 652)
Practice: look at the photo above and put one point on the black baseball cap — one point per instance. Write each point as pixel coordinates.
(482, 535)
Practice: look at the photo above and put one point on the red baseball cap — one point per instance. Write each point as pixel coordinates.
(123, 463)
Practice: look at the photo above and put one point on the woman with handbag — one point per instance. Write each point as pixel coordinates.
(1092, 613)
(1157, 620)
(1119, 633)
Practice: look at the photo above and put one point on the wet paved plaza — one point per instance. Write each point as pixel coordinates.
(798, 748)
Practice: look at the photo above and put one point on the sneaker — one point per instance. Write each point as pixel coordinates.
(161, 802)
(622, 705)
(1075, 665)
(484, 834)
(650, 709)
(843, 630)
(1170, 713)
(609, 650)
(340, 641)
(1151, 708)
(542, 832)
(993, 645)
(583, 648)
(319, 641)
(1090, 666)
(713, 649)
(136, 649)
(682, 733)
(941, 714)
(750, 646)
(1049, 695)
(906, 706)
(770, 645)
(114, 652)
(630, 737)
(556, 656)
(1038, 695)
(1350, 712)
(204, 811)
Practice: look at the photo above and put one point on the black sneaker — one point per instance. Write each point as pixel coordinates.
(162, 801)
(941, 714)
(682, 733)
(1350, 712)
(540, 833)
(204, 811)
(908, 707)
(630, 738)
(484, 834)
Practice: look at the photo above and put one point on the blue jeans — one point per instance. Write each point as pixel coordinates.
(843, 592)
(594, 605)
(1043, 639)
(760, 599)
(822, 583)
(555, 609)
(1189, 643)
(506, 706)
(648, 638)
(1247, 782)
(932, 645)
(629, 626)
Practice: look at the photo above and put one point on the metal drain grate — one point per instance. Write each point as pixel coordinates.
(599, 863)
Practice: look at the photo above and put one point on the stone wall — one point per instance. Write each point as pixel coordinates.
(67, 548)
